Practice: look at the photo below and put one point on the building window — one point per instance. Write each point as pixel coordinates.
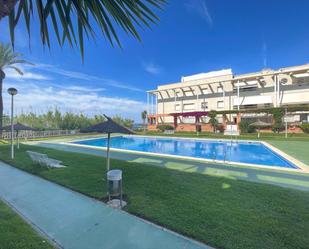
(219, 89)
(246, 89)
(189, 107)
(220, 104)
(242, 107)
(250, 106)
(204, 105)
(177, 107)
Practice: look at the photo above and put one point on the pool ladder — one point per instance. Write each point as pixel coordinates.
(225, 150)
(214, 156)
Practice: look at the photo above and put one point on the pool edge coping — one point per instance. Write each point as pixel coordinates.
(286, 156)
(302, 168)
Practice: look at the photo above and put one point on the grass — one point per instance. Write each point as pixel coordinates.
(248, 136)
(221, 212)
(297, 149)
(15, 233)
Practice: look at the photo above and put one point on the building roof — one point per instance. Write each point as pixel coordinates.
(225, 75)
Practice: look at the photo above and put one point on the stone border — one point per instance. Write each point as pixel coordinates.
(293, 160)
(302, 168)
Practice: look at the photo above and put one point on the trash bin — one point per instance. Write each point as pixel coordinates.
(114, 179)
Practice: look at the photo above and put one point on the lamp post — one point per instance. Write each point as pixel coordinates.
(286, 122)
(12, 91)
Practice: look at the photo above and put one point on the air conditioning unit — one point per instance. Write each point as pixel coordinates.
(284, 79)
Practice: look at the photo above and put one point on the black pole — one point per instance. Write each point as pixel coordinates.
(107, 151)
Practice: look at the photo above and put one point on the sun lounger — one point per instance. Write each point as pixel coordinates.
(44, 160)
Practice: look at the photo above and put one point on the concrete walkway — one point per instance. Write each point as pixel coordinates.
(73, 220)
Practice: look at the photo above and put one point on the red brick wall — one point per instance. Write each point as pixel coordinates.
(207, 128)
(192, 127)
(186, 127)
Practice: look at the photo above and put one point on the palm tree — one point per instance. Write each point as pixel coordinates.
(8, 59)
(144, 117)
(71, 20)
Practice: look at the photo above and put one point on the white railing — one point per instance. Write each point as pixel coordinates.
(40, 134)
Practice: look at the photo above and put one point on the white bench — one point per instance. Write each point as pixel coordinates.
(44, 160)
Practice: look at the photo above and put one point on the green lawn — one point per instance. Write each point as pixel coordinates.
(15, 233)
(251, 136)
(297, 149)
(221, 212)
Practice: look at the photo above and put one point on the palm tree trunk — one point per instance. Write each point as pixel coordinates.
(2, 76)
(6, 6)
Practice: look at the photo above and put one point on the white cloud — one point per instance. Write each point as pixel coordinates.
(40, 99)
(82, 89)
(200, 7)
(12, 74)
(152, 68)
(40, 90)
(87, 77)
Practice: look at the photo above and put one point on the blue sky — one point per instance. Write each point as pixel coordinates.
(193, 36)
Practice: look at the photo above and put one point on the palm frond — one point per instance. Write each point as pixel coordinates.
(20, 62)
(9, 58)
(71, 19)
(16, 69)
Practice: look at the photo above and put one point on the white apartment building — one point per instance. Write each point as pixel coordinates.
(189, 101)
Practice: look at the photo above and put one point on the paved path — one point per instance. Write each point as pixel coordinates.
(75, 221)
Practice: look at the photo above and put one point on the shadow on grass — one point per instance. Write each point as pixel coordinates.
(293, 180)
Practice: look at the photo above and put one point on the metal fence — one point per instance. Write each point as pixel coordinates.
(40, 134)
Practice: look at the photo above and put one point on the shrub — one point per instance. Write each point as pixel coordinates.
(277, 127)
(245, 127)
(212, 119)
(305, 127)
(277, 115)
(165, 127)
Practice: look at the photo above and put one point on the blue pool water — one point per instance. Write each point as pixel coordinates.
(242, 152)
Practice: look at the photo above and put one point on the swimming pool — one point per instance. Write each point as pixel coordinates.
(237, 152)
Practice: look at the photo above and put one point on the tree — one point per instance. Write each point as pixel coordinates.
(124, 121)
(213, 121)
(278, 114)
(8, 59)
(54, 119)
(144, 117)
(74, 19)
